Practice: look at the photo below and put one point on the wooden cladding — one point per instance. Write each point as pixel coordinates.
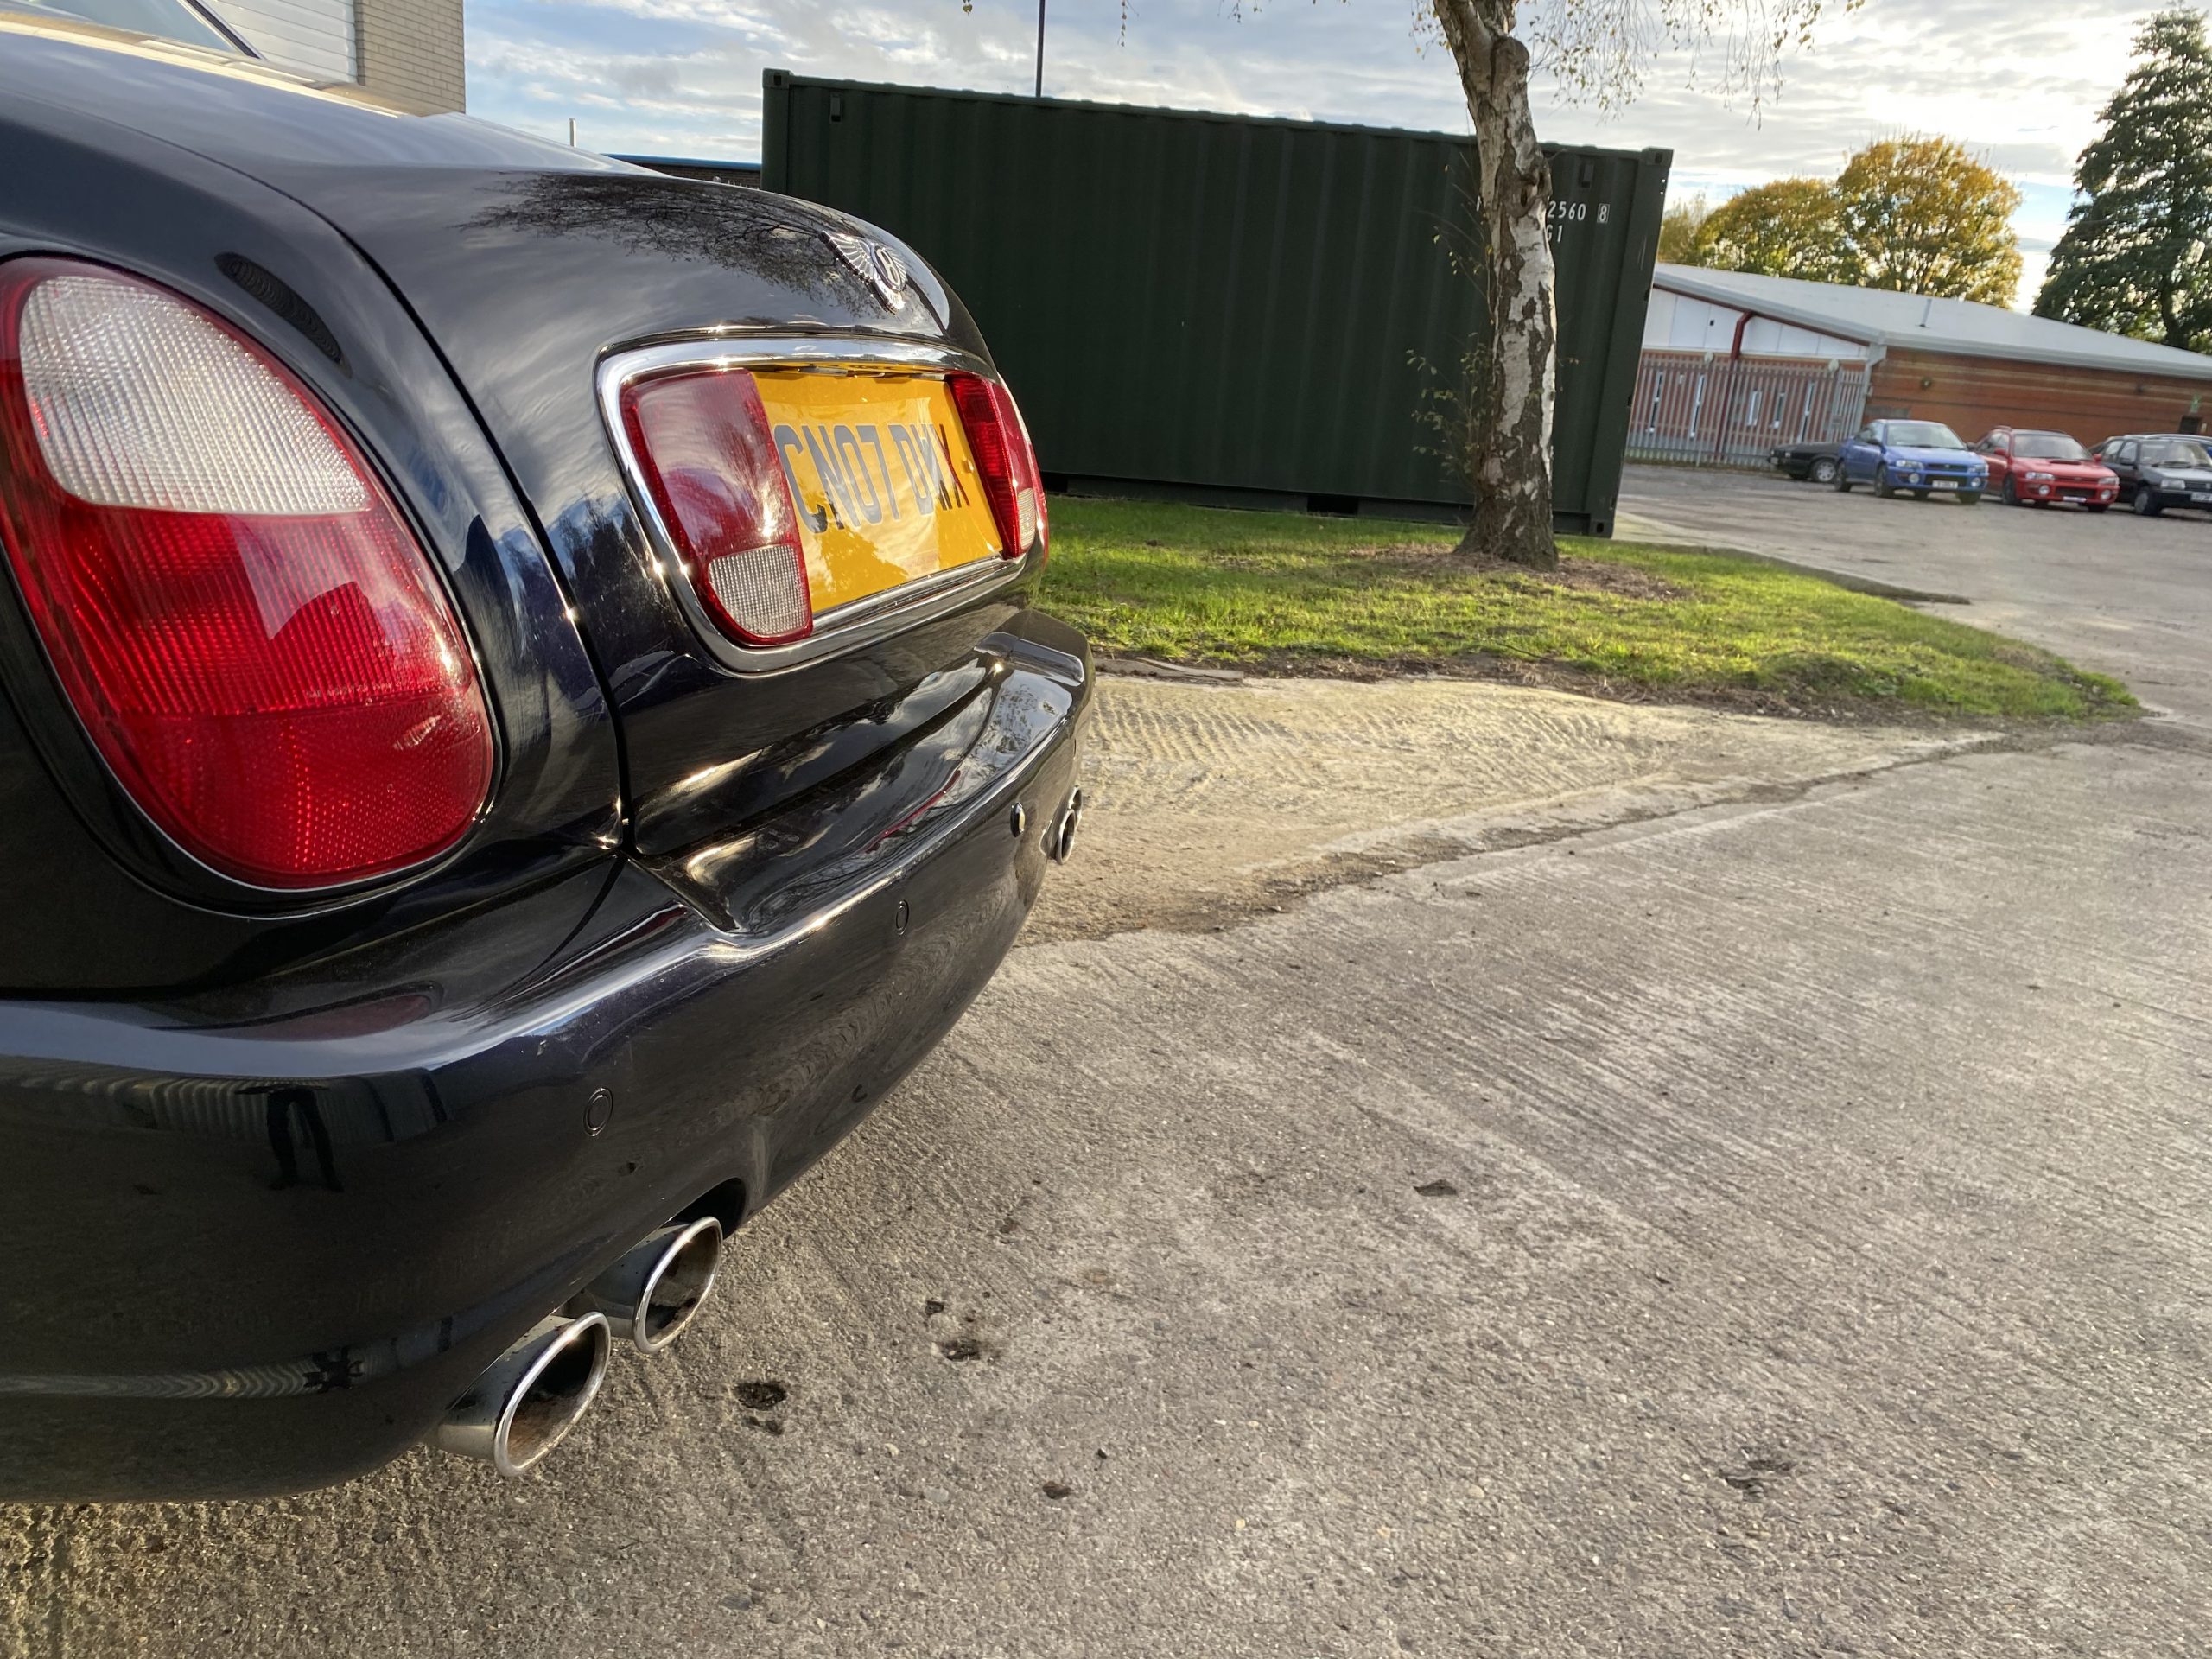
(1972, 395)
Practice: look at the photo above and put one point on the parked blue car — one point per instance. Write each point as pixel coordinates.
(1925, 457)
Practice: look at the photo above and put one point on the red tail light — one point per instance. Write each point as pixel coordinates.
(1000, 441)
(238, 615)
(704, 446)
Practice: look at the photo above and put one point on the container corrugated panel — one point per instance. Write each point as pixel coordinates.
(1230, 306)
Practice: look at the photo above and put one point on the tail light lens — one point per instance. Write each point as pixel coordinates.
(242, 621)
(703, 447)
(999, 439)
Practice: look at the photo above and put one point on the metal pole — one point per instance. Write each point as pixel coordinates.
(1040, 48)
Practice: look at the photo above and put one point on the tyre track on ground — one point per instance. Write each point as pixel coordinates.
(1206, 803)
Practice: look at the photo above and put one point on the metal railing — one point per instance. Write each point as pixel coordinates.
(1696, 409)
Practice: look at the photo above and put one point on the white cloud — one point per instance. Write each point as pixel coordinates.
(2021, 84)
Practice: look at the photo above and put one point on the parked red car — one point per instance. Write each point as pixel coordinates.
(2037, 468)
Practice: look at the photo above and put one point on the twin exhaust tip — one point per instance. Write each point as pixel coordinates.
(655, 1291)
(527, 1400)
(1062, 839)
(530, 1397)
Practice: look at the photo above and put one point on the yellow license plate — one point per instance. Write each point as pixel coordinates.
(880, 470)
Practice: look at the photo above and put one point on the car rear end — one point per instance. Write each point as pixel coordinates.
(523, 717)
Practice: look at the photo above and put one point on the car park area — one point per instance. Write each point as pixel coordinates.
(2130, 596)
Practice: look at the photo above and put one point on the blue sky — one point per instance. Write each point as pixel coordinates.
(2020, 82)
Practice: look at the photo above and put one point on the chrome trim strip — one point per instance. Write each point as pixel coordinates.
(863, 621)
(980, 575)
(736, 348)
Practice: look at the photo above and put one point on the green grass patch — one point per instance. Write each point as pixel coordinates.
(1288, 594)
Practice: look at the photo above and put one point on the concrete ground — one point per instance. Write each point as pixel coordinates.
(1746, 1192)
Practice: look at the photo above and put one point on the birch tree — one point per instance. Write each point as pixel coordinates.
(1596, 51)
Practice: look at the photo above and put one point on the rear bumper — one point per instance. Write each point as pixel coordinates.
(259, 1247)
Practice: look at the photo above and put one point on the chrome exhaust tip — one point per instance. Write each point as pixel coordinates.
(1064, 831)
(656, 1290)
(530, 1397)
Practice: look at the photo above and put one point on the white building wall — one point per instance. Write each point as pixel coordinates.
(1675, 322)
(314, 36)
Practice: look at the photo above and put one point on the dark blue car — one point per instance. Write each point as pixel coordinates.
(1925, 457)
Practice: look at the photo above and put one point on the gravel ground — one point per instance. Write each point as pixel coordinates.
(1208, 802)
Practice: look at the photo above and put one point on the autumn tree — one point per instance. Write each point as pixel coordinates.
(1919, 215)
(1790, 228)
(1678, 228)
(1923, 216)
(2136, 257)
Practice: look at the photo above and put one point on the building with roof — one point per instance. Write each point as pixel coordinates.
(1734, 364)
(409, 51)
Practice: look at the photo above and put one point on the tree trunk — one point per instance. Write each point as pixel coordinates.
(1509, 423)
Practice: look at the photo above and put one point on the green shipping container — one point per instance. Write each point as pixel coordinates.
(1228, 309)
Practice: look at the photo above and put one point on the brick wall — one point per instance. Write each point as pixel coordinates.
(411, 52)
(1972, 395)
